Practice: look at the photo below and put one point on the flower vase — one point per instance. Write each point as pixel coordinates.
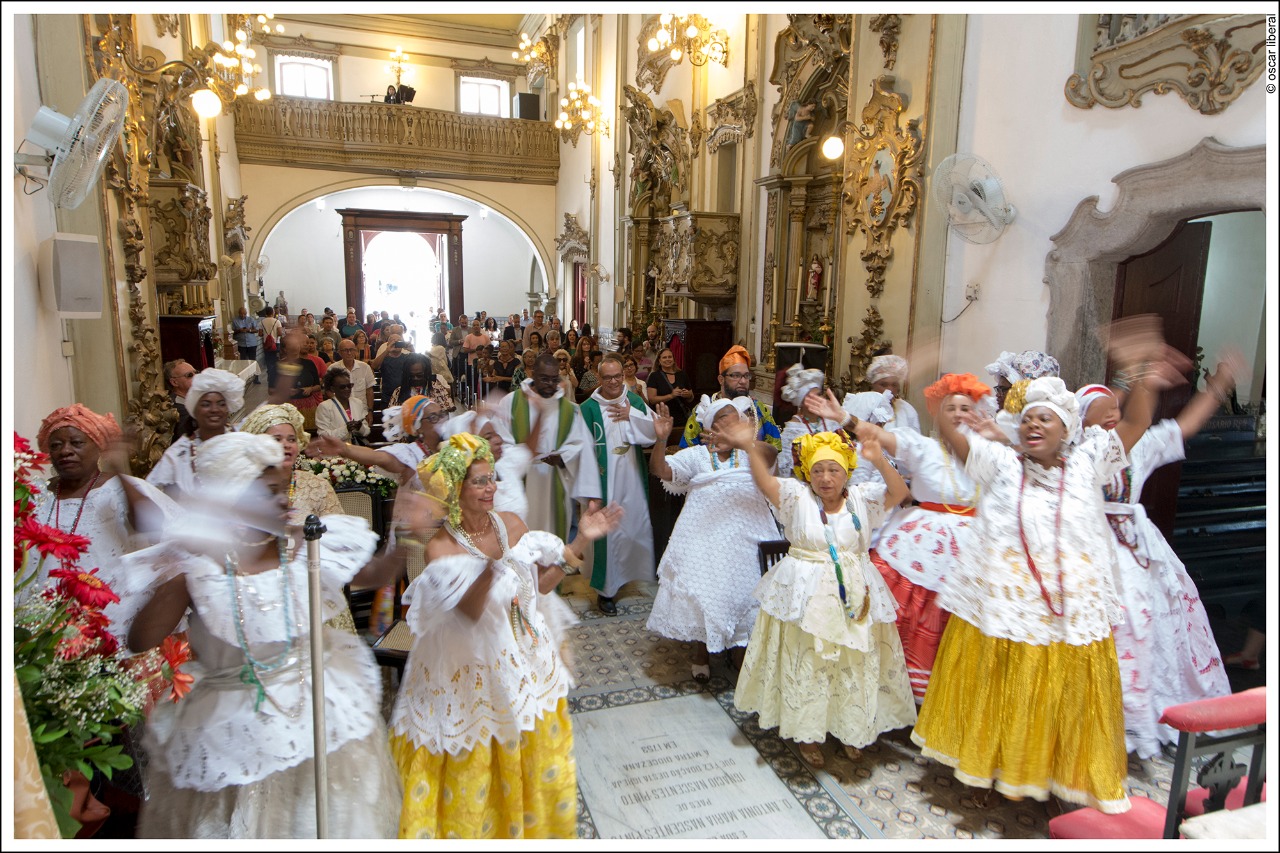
(88, 810)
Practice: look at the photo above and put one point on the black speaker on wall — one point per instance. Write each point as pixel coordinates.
(525, 105)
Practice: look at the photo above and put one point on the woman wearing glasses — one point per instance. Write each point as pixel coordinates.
(412, 425)
(342, 415)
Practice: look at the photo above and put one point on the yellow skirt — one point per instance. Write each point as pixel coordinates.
(1028, 720)
(516, 790)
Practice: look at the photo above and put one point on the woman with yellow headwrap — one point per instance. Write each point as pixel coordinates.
(481, 728)
(824, 655)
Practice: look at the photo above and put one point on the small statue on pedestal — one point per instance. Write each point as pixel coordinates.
(815, 280)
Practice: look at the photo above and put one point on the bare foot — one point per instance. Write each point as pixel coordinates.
(852, 752)
(988, 798)
(812, 755)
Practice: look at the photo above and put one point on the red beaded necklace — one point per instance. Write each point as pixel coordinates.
(1057, 530)
(55, 512)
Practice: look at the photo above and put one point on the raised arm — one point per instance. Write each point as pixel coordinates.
(896, 488)
(955, 439)
(662, 425)
(1217, 390)
(367, 456)
(742, 436)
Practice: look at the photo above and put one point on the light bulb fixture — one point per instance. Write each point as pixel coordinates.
(399, 64)
(206, 103)
(692, 36)
(832, 147)
(234, 68)
(580, 113)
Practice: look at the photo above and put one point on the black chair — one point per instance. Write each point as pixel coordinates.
(771, 551)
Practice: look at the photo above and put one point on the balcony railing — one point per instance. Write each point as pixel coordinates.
(396, 139)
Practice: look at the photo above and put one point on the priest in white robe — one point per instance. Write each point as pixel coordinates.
(564, 468)
(621, 426)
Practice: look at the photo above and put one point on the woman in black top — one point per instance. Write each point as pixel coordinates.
(416, 379)
(669, 384)
(502, 368)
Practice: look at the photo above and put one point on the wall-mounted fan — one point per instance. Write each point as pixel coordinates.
(970, 193)
(260, 266)
(78, 146)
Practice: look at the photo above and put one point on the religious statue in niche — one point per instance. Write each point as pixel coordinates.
(880, 186)
(802, 116)
(815, 280)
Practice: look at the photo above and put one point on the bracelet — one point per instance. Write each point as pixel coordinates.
(850, 424)
(572, 560)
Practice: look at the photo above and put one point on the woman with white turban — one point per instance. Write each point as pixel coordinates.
(889, 373)
(707, 574)
(799, 385)
(824, 657)
(234, 758)
(1011, 367)
(215, 395)
(1025, 694)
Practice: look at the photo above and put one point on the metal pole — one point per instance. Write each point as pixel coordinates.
(312, 530)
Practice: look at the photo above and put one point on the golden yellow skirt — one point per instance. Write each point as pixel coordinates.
(1028, 720)
(515, 790)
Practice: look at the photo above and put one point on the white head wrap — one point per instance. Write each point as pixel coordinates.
(1089, 394)
(887, 366)
(707, 408)
(211, 379)
(393, 425)
(1028, 364)
(800, 382)
(873, 406)
(230, 462)
(1051, 393)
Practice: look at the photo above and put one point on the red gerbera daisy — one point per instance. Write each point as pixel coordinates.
(85, 587)
(182, 683)
(50, 541)
(176, 651)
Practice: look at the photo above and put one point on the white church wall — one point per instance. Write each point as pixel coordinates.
(33, 333)
(1050, 156)
(1233, 309)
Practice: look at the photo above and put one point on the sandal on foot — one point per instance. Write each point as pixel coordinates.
(701, 672)
(1239, 661)
(852, 752)
(812, 755)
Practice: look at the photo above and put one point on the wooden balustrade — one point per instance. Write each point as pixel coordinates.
(395, 138)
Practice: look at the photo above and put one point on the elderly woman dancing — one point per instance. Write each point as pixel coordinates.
(92, 495)
(215, 395)
(824, 655)
(708, 572)
(481, 728)
(234, 758)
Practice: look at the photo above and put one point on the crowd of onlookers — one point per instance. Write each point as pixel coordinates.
(340, 372)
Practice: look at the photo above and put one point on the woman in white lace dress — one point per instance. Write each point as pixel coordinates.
(711, 564)
(215, 395)
(1025, 693)
(1166, 649)
(234, 758)
(824, 655)
(481, 729)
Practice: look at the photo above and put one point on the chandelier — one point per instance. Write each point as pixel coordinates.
(692, 36)
(234, 68)
(399, 64)
(580, 113)
(529, 49)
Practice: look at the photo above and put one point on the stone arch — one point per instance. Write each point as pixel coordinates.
(1152, 199)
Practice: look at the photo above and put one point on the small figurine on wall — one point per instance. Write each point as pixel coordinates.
(801, 116)
(815, 280)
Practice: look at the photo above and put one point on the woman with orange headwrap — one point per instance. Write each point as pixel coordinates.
(92, 495)
(481, 728)
(824, 656)
(918, 545)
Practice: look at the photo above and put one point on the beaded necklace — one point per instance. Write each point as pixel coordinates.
(520, 623)
(1057, 531)
(962, 508)
(715, 463)
(293, 629)
(828, 531)
(55, 511)
(1122, 494)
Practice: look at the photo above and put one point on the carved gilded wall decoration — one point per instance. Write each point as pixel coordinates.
(810, 56)
(732, 118)
(235, 233)
(485, 68)
(651, 65)
(574, 244)
(883, 170)
(166, 25)
(616, 170)
(864, 348)
(300, 46)
(888, 26)
(543, 58)
(696, 133)
(1207, 59)
(180, 218)
(660, 151)
(150, 413)
(696, 256)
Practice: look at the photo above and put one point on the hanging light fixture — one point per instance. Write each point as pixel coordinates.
(691, 36)
(399, 65)
(234, 67)
(580, 113)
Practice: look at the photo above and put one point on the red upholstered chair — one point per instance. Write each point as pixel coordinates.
(1222, 779)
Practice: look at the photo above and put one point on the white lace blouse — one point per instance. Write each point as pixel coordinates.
(1067, 536)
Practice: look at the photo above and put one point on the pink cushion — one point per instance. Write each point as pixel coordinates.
(1246, 708)
(1144, 820)
(1235, 799)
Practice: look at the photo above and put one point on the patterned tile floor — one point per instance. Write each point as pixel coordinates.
(892, 792)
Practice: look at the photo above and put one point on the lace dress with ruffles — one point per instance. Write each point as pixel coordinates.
(711, 565)
(481, 730)
(231, 760)
(811, 668)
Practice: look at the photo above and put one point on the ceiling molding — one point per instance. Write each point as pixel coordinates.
(415, 26)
